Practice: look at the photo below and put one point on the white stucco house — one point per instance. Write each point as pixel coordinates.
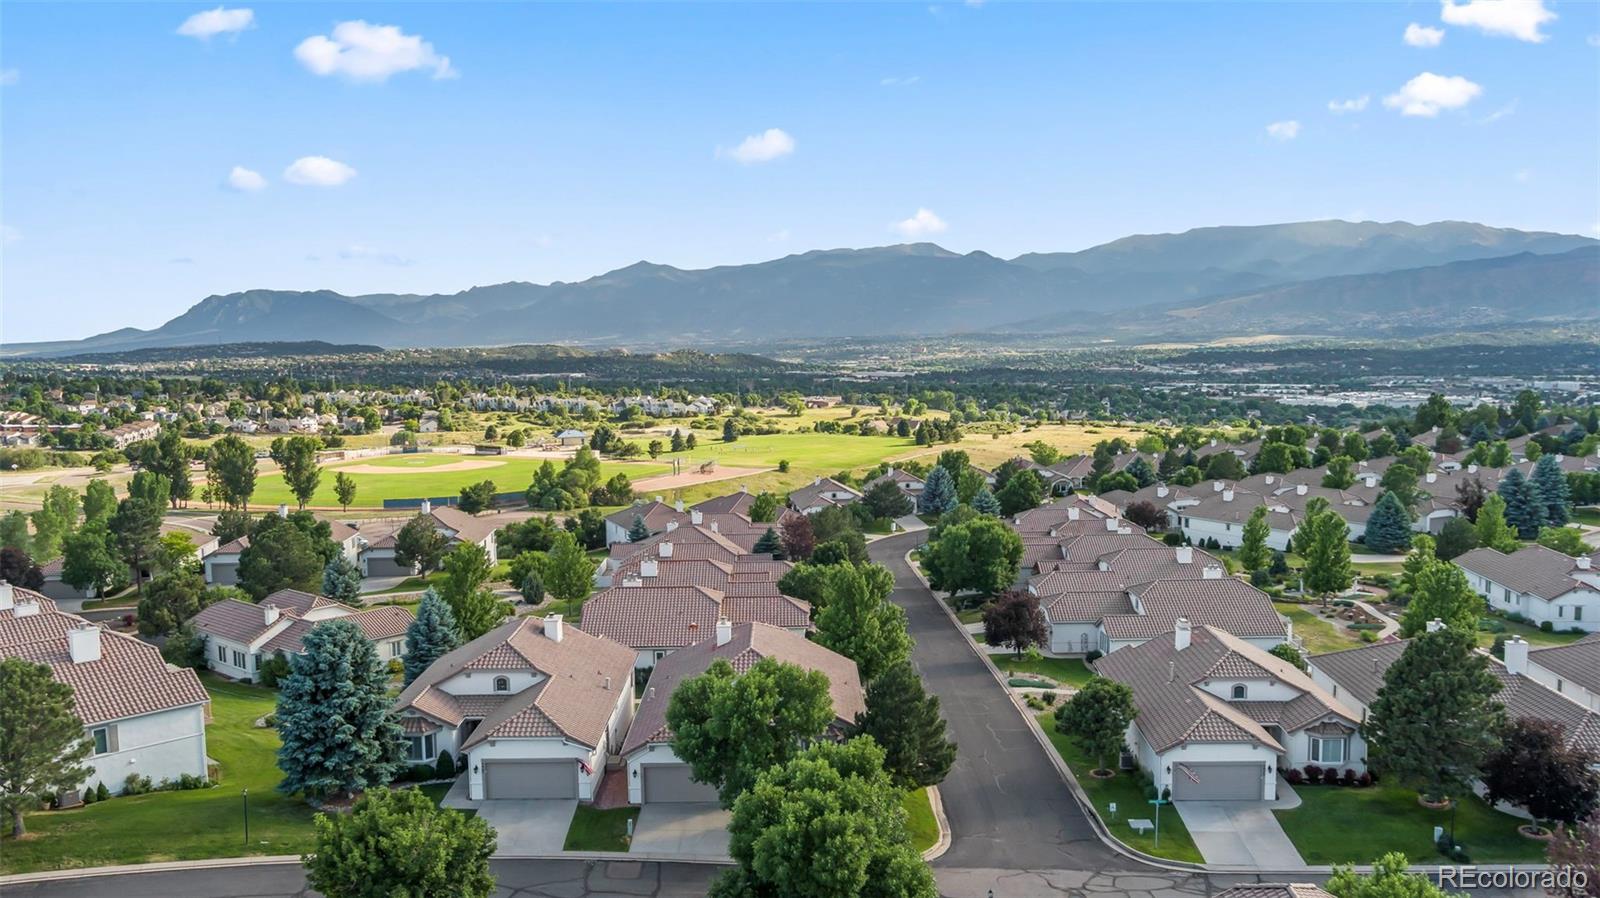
(823, 492)
(376, 555)
(240, 636)
(536, 707)
(1571, 671)
(1542, 585)
(143, 716)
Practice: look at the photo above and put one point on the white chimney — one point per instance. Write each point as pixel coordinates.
(8, 596)
(1227, 495)
(656, 499)
(26, 609)
(671, 526)
(426, 507)
(269, 614)
(552, 627)
(1517, 655)
(664, 550)
(817, 481)
(679, 506)
(1111, 525)
(1435, 625)
(1216, 486)
(630, 582)
(1161, 491)
(1583, 562)
(1270, 479)
(1370, 479)
(1432, 477)
(1301, 489)
(83, 643)
(1072, 513)
(283, 510)
(1181, 633)
(695, 517)
(724, 631)
(647, 568)
(1183, 554)
(715, 528)
(744, 487)
(1211, 572)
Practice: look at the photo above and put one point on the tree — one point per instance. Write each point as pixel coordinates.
(1566, 540)
(1015, 619)
(185, 648)
(568, 575)
(341, 580)
(1435, 717)
(400, 842)
(860, 623)
(1097, 717)
(938, 492)
(1023, 491)
(99, 501)
(168, 456)
(1525, 508)
(1341, 473)
(344, 488)
(1253, 550)
(984, 502)
(1492, 529)
(764, 508)
(231, 463)
(904, 720)
(826, 822)
(639, 532)
(477, 497)
(1470, 495)
(477, 610)
(420, 544)
(137, 527)
(1401, 480)
(983, 555)
(1457, 537)
(1577, 848)
(1441, 593)
(18, 569)
(729, 728)
(430, 634)
(1224, 466)
(799, 540)
(280, 557)
(1146, 515)
(730, 432)
(886, 500)
(339, 734)
(1324, 543)
(1553, 490)
(1537, 770)
(172, 599)
(14, 532)
(42, 741)
(1389, 526)
(1388, 879)
(1289, 653)
(768, 544)
(90, 560)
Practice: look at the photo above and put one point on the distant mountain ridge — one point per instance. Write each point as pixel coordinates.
(1306, 277)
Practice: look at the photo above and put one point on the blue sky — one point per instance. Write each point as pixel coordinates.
(480, 143)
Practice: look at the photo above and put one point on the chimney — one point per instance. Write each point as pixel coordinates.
(816, 481)
(1270, 479)
(647, 568)
(84, 643)
(1183, 554)
(1227, 495)
(671, 526)
(1371, 480)
(695, 517)
(629, 582)
(269, 615)
(26, 609)
(715, 528)
(1216, 486)
(553, 627)
(1431, 477)
(1181, 633)
(656, 499)
(1435, 625)
(608, 684)
(1583, 563)
(1111, 525)
(1301, 489)
(8, 596)
(679, 506)
(1161, 491)
(426, 507)
(1072, 513)
(724, 631)
(1172, 671)
(283, 510)
(664, 550)
(1516, 655)
(744, 488)
(1472, 469)
(651, 694)
(1211, 572)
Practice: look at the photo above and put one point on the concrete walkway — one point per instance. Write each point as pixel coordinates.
(1243, 834)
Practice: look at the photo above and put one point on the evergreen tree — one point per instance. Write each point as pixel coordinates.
(905, 721)
(1553, 490)
(339, 734)
(639, 531)
(769, 544)
(729, 431)
(1457, 537)
(1389, 526)
(341, 580)
(431, 634)
(1253, 543)
(42, 741)
(1525, 508)
(1141, 471)
(985, 502)
(938, 492)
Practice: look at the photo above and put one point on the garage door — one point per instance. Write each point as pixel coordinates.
(530, 779)
(1217, 782)
(671, 782)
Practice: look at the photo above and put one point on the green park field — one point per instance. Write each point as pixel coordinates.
(428, 475)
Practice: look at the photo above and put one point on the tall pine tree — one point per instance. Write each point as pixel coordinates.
(905, 721)
(339, 734)
(985, 502)
(768, 544)
(342, 580)
(938, 492)
(638, 532)
(1525, 509)
(430, 635)
(1389, 526)
(1553, 490)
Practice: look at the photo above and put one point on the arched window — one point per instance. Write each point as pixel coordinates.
(1238, 691)
(503, 684)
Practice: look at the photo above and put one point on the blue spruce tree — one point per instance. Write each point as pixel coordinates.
(1553, 490)
(342, 580)
(339, 734)
(1389, 527)
(938, 492)
(1525, 510)
(431, 635)
(985, 502)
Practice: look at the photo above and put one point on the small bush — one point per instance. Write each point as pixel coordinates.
(395, 667)
(1260, 578)
(445, 768)
(1313, 774)
(1034, 703)
(1049, 698)
(1369, 636)
(90, 795)
(101, 793)
(1093, 656)
(1173, 539)
(1349, 778)
(1294, 776)
(1364, 780)
(135, 785)
(1546, 626)
(1491, 625)
(419, 773)
(1330, 777)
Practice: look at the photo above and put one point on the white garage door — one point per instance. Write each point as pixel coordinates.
(672, 783)
(530, 779)
(1217, 782)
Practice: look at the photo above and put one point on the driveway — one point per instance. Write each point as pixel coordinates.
(686, 830)
(529, 827)
(1240, 833)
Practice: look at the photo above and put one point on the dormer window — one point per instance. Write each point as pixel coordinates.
(502, 684)
(1240, 692)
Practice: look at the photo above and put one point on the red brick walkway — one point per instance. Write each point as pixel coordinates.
(613, 789)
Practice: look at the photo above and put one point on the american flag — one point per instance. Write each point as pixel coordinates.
(588, 771)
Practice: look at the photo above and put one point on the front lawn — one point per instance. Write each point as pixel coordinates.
(1337, 824)
(1532, 634)
(1065, 671)
(1319, 634)
(920, 823)
(595, 830)
(1127, 790)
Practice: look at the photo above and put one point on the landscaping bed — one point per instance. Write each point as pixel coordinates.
(1064, 671)
(1338, 824)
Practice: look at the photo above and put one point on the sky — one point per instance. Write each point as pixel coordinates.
(154, 154)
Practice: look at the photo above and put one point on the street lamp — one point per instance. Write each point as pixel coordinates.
(247, 817)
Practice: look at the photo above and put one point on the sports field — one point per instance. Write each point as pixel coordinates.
(427, 475)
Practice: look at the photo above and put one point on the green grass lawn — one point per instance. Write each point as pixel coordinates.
(1335, 824)
(413, 480)
(1066, 671)
(165, 826)
(1127, 790)
(594, 830)
(1590, 516)
(1319, 634)
(1532, 634)
(920, 823)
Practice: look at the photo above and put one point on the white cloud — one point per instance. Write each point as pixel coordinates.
(1423, 36)
(922, 224)
(9, 77)
(779, 236)
(1428, 93)
(764, 147)
(1593, 39)
(1495, 116)
(1522, 175)
(207, 25)
(358, 252)
(1285, 130)
(246, 181)
(9, 235)
(1508, 18)
(363, 52)
(906, 81)
(318, 171)
(1357, 104)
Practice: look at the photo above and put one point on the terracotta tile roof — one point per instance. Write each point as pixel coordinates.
(1275, 890)
(129, 679)
(1359, 671)
(468, 528)
(733, 503)
(1087, 607)
(382, 622)
(657, 617)
(655, 515)
(233, 620)
(232, 548)
(296, 601)
(811, 494)
(1225, 603)
(1534, 569)
(1577, 662)
(750, 643)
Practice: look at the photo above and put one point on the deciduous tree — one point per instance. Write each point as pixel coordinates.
(857, 620)
(344, 489)
(1536, 769)
(231, 464)
(419, 543)
(1492, 529)
(400, 842)
(1253, 551)
(1097, 718)
(1014, 619)
(983, 555)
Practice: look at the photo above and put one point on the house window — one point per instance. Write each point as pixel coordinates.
(1577, 612)
(238, 659)
(1239, 692)
(1327, 751)
(420, 748)
(105, 739)
(502, 684)
(222, 653)
(394, 649)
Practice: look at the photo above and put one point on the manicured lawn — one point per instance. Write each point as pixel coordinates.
(1590, 516)
(924, 829)
(1532, 634)
(411, 584)
(1335, 824)
(1319, 634)
(165, 826)
(413, 479)
(1066, 671)
(1127, 790)
(594, 830)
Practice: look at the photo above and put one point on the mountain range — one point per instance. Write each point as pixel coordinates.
(1306, 278)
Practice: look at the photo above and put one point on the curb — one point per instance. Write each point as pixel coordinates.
(937, 850)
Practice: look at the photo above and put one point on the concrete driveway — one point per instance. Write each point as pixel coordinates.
(688, 830)
(529, 827)
(1239, 834)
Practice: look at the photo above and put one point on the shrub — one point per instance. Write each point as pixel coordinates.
(1173, 539)
(1313, 774)
(1546, 626)
(1349, 778)
(1490, 625)
(1294, 776)
(1260, 578)
(396, 667)
(1364, 780)
(445, 768)
(101, 793)
(419, 773)
(1034, 703)
(1330, 776)
(1049, 698)
(1369, 636)
(90, 795)
(135, 785)
(1093, 656)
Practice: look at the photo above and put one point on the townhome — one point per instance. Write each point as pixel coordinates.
(655, 514)
(1219, 718)
(1571, 670)
(1541, 584)
(535, 706)
(143, 716)
(376, 553)
(909, 484)
(655, 773)
(241, 636)
(823, 492)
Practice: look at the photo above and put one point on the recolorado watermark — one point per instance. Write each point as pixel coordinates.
(1563, 879)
